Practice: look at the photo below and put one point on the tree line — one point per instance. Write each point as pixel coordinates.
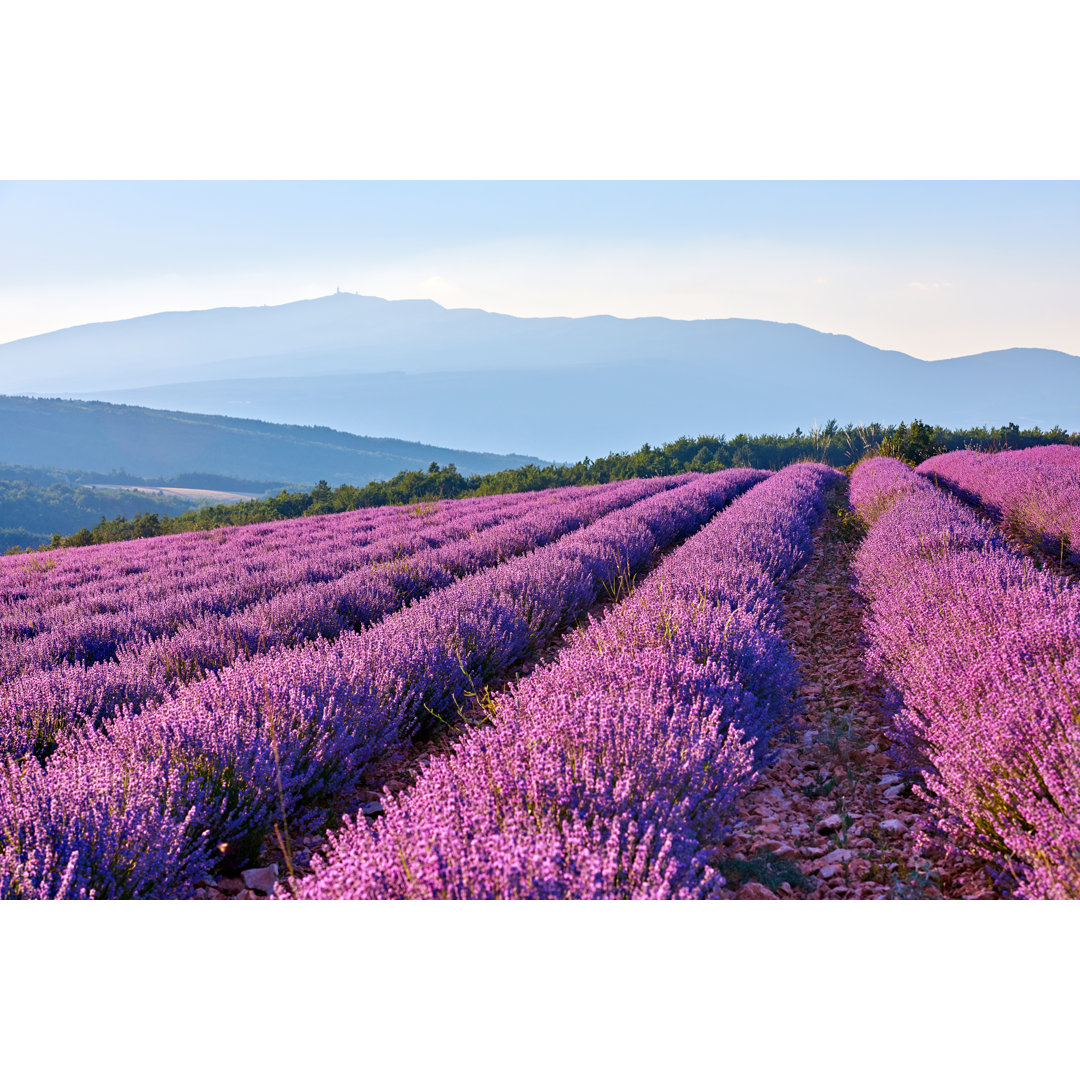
(832, 444)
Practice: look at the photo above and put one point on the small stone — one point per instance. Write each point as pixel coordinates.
(230, 884)
(371, 808)
(785, 888)
(247, 894)
(766, 846)
(784, 851)
(888, 780)
(840, 855)
(262, 878)
(894, 792)
(827, 872)
(986, 894)
(833, 823)
(754, 890)
(367, 795)
(894, 826)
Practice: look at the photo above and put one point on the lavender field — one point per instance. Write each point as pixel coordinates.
(737, 684)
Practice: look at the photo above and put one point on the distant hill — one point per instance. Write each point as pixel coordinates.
(37, 503)
(44, 476)
(559, 387)
(347, 334)
(101, 438)
(602, 407)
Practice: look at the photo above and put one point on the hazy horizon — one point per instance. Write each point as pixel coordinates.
(490, 311)
(932, 269)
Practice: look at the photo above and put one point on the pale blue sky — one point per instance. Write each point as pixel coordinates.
(935, 268)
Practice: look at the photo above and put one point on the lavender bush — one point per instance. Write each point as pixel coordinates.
(1034, 494)
(264, 738)
(982, 650)
(39, 702)
(608, 773)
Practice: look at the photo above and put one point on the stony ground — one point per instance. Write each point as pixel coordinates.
(831, 819)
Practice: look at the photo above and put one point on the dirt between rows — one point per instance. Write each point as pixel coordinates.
(831, 819)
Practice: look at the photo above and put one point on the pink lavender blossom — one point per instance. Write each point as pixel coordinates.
(982, 651)
(1033, 494)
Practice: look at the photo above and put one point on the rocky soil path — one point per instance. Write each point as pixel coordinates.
(833, 819)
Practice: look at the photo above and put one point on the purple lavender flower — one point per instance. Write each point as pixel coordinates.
(609, 772)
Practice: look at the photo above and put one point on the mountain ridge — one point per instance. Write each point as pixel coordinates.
(557, 387)
(379, 335)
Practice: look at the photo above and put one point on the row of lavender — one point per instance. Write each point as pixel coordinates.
(38, 704)
(39, 590)
(983, 652)
(84, 605)
(610, 772)
(1033, 494)
(148, 803)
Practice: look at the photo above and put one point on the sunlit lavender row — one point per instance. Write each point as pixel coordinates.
(983, 651)
(1034, 494)
(148, 803)
(37, 704)
(610, 772)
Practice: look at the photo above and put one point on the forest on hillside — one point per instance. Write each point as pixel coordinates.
(36, 503)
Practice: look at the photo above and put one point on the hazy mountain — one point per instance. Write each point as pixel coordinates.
(363, 335)
(99, 437)
(559, 387)
(602, 407)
